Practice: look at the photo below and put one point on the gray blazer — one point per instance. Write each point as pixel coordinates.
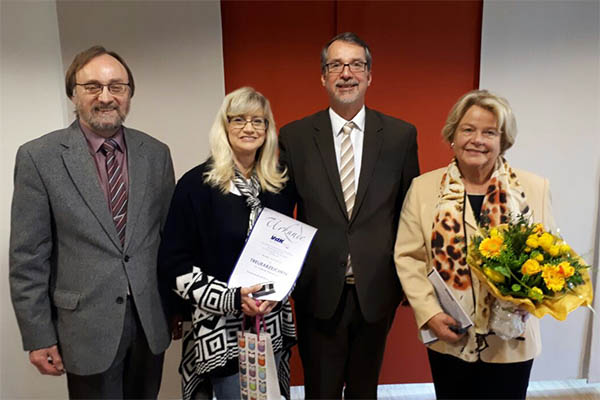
(69, 272)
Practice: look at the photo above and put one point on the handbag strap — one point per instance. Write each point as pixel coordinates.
(257, 320)
(243, 325)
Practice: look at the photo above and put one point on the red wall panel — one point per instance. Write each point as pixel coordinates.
(279, 54)
(425, 55)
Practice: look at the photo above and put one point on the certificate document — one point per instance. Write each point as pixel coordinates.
(449, 304)
(274, 252)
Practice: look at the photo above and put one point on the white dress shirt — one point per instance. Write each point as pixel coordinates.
(356, 137)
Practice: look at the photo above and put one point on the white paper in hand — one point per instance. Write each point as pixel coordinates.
(274, 252)
(449, 304)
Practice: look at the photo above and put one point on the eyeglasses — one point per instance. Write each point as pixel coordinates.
(95, 88)
(337, 67)
(257, 123)
(469, 131)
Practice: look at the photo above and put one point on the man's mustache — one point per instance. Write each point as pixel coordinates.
(106, 108)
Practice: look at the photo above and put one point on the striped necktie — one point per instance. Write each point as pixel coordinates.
(347, 168)
(117, 197)
(348, 186)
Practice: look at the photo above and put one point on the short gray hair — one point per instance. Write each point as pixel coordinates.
(507, 124)
(348, 37)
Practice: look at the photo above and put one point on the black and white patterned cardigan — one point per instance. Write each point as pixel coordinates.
(212, 341)
(202, 238)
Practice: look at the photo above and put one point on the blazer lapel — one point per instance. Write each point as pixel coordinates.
(372, 141)
(470, 217)
(137, 168)
(323, 136)
(83, 172)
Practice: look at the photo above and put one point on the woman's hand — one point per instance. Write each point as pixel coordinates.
(523, 313)
(440, 324)
(253, 307)
(249, 304)
(266, 306)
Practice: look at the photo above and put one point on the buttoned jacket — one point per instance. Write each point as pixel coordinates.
(389, 162)
(69, 273)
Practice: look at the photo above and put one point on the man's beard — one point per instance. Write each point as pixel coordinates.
(99, 122)
(347, 98)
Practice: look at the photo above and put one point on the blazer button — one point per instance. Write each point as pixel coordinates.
(119, 300)
(343, 264)
(126, 258)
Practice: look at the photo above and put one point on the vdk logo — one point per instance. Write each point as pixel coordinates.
(277, 239)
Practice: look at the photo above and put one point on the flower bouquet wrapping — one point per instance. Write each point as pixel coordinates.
(527, 268)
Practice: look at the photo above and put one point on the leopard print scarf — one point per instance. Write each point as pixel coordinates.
(504, 199)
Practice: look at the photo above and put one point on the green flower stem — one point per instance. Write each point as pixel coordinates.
(517, 279)
(546, 296)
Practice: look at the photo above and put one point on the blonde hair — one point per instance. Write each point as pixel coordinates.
(244, 101)
(507, 124)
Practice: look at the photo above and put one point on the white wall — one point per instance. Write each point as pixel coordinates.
(593, 371)
(32, 104)
(174, 50)
(543, 56)
(594, 363)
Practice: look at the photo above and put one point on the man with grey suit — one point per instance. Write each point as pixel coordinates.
(88, 206)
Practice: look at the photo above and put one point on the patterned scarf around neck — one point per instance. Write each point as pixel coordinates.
(504, 199)
(250, 189)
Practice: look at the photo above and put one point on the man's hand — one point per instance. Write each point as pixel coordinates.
(440, 325)
(176, 325)
(47, 361)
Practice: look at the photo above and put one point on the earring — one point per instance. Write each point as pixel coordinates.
(452, 145)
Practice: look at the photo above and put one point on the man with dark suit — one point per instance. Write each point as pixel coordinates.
(88, 206)
(351, 167)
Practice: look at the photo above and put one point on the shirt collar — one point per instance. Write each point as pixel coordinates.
(95, 141)
(338, 122)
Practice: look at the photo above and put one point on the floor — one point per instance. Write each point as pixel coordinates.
(576, 389)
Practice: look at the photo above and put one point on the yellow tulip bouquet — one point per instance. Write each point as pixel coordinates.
(531, 268)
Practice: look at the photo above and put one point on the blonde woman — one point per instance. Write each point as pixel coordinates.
(442, 208)
(214, 206)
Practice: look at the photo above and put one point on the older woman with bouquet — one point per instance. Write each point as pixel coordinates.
(442, 212)
(213, 208)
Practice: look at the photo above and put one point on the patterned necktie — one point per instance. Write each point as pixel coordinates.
(347, 168)
(348, 187)
(117, 197)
